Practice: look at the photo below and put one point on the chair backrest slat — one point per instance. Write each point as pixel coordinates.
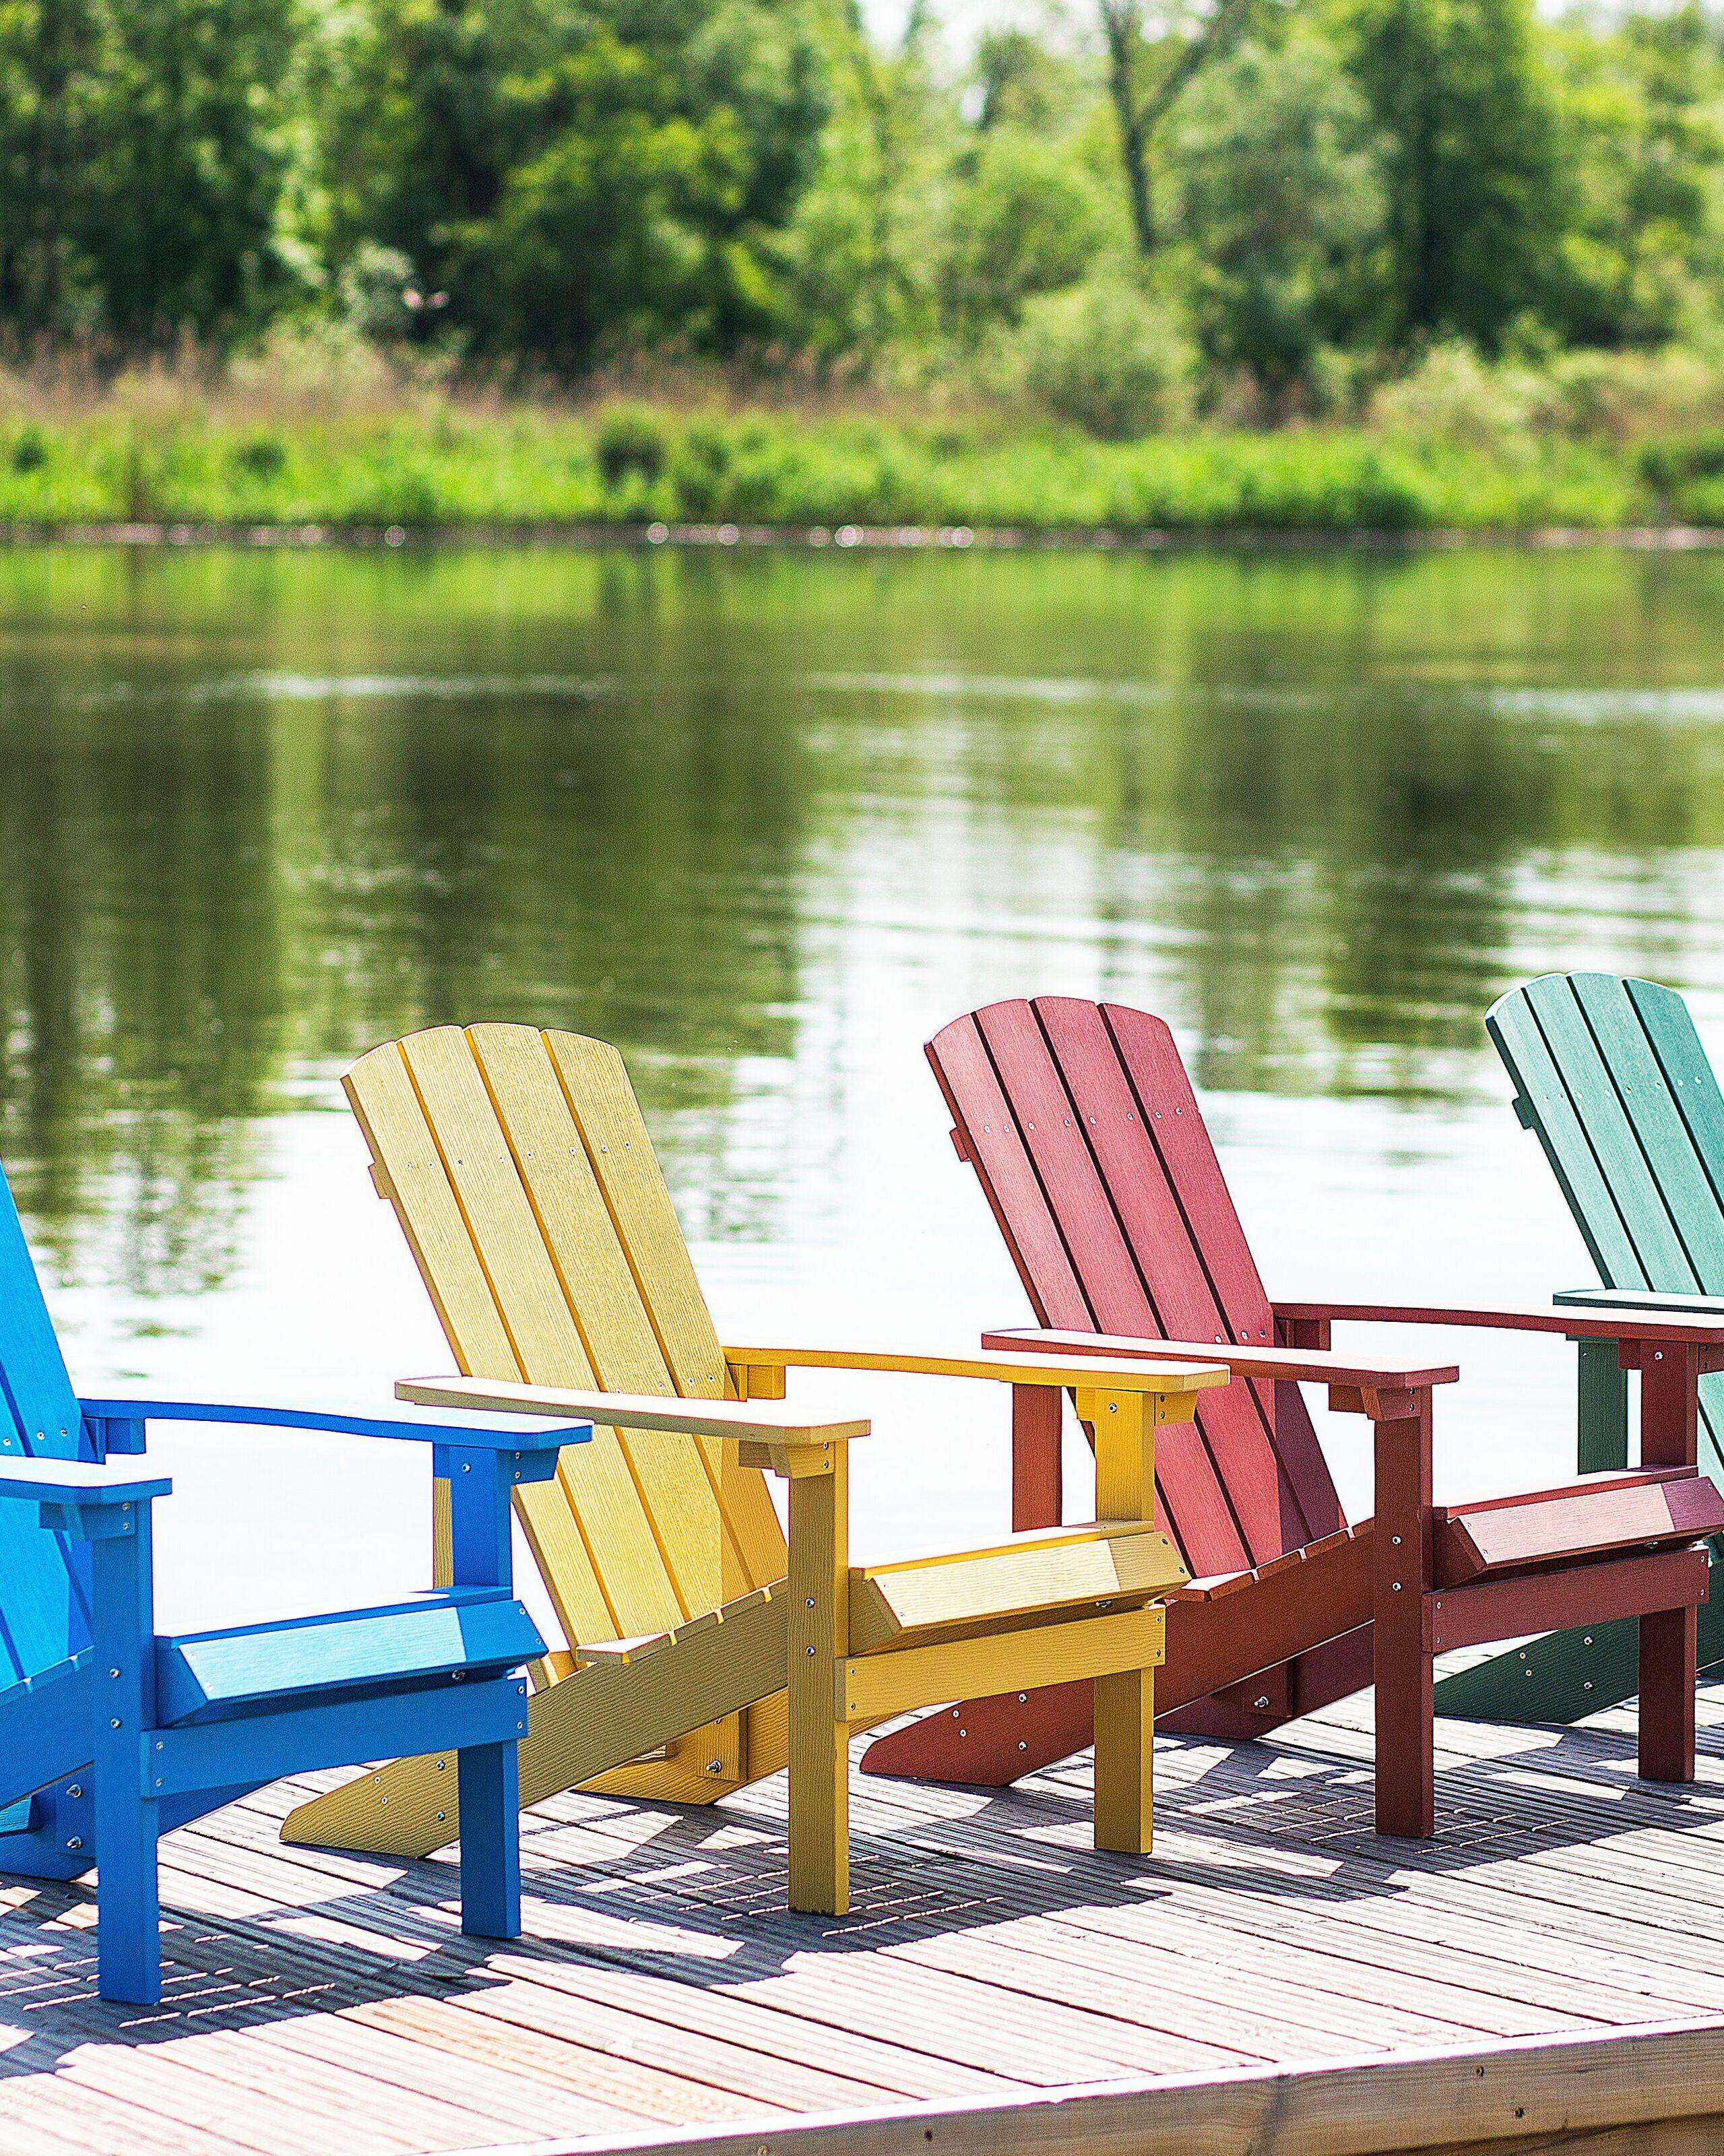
(44, 1613)
(1090, 1147)
(533, 1204)
(1612, 1077)
(1151, 1057)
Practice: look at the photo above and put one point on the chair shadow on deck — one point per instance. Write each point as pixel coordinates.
(695, 1894)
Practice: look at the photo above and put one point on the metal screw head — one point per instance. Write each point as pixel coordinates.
(114, 1725)
(75, 1841)
(1023, 1699)
(113, 1673)
(1022, 1746)
(1394, 1587)
(443, 1815)
(1261, 1701)
(807, 1651)
(75, 1789)
(715, 1766)
(808, 1602)
(1396, 1540)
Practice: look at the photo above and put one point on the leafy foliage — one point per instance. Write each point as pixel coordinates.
(1263, 210)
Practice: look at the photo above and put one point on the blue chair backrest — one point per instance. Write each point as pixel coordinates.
(43, 1603)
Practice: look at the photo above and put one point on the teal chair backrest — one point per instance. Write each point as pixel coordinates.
(1611, 1076)
(43, 1604)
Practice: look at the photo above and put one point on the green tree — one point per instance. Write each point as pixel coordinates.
(1281, 198)
(567, 174)
(144, 153)
(1640, 115)
(861, 251)
(1155, 52)
(1023, 218)
(1478, 189)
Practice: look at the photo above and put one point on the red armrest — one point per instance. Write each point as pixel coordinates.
(1315, 1365)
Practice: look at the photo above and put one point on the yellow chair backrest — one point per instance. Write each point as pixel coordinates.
(521, 1169)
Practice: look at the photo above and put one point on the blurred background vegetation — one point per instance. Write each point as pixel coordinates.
(356, 259)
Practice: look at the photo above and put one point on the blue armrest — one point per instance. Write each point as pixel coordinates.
(493, 1433)
(79, 1483)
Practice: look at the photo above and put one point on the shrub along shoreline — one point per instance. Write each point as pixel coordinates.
(439, 464)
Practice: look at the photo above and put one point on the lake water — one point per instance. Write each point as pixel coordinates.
(766, 821)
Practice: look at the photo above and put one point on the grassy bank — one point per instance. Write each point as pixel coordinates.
(435, 461)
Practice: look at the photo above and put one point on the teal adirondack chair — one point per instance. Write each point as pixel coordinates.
(110, 1734)
(1610, 1076)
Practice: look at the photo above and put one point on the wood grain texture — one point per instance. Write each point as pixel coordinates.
(890, 1603)
(317, 1998)
(1125, 1699)
(818, 1628)
(875, 1686)
(1625, 1514)
(524, 1180)
(606, 1713)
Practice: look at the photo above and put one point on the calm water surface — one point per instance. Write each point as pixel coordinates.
(766, 822)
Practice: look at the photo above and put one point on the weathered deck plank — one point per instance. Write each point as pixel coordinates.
(318, 1999)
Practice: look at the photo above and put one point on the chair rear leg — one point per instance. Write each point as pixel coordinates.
(1669, 1669)
(489, 1779)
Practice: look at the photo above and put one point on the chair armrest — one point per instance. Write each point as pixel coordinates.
(1653, 1302)
(1671, 1331)
(1316, 1366)
(82, 1485)
(497, 1433)
(755, 1421)
(1193, 1369)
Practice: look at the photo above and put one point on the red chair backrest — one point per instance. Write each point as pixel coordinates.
(1082, 1123)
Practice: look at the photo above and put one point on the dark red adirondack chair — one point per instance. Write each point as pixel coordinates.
(1081, 1124)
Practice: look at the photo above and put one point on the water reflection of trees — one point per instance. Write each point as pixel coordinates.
(218, 885)
(1331, 813)
(257, 814)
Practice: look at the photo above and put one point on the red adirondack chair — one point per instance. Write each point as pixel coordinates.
(1081, 1124)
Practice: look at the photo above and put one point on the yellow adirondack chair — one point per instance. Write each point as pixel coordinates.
(521, 1170)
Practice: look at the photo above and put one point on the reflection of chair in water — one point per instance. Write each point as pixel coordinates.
(110, 1735)
(1080, 1122)
(520, 1167)
(1611, 1076)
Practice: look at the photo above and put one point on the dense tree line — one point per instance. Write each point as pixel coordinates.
(1282, 202)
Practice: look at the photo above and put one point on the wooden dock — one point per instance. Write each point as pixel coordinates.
(992, 1963)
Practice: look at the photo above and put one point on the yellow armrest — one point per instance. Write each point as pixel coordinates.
(761, 1421)
(1158, 1380)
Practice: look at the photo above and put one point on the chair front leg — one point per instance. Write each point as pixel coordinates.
(1125, 1702)
(819, 1641)
(1670, 1641)
(1403, 1576)
(127, 1821)
(480, 1486)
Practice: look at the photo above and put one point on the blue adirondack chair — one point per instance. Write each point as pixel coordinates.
(110, 1734)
